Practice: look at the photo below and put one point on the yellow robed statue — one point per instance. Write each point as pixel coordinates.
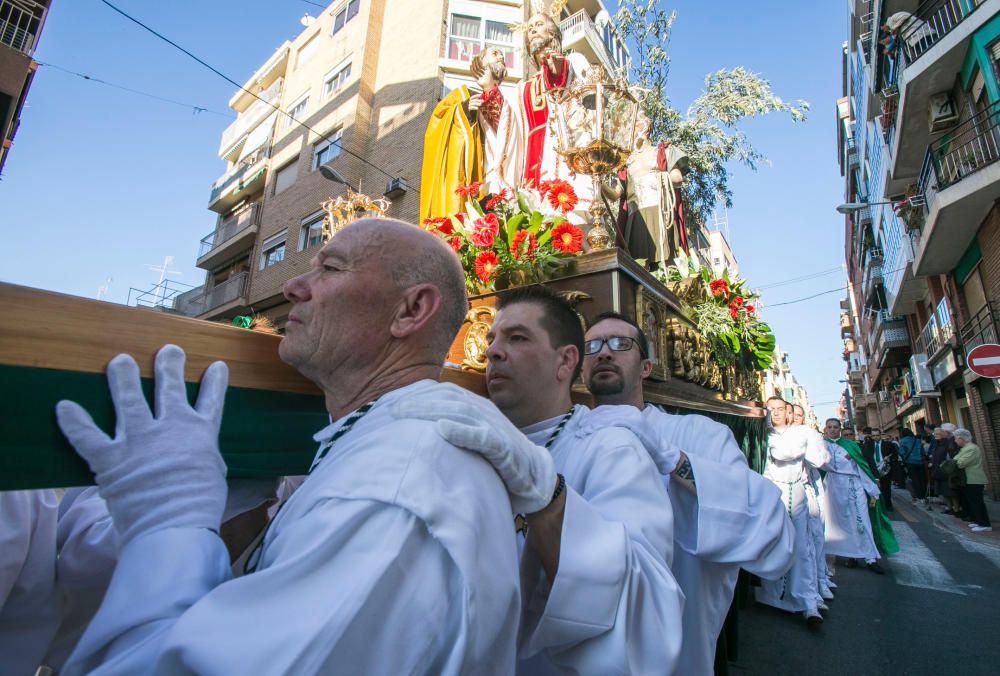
(452, 156)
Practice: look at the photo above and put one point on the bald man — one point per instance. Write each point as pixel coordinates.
(395, 556)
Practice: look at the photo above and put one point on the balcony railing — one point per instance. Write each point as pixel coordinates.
(581, 24)
(961, 152)
(249, 118)
(929, 24)
(981, 329)
(232, 289)
(229, 228)
(236, 174)
(19, 24)
(873, 272)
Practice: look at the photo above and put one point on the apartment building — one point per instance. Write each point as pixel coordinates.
(21, 23)
(779, 381)
(355, 89)
(918, 142)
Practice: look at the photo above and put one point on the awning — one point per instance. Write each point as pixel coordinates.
(258, 137)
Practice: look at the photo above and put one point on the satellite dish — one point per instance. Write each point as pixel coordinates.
(307, 20)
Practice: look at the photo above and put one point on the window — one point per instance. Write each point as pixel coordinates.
(306, 51)
(346, 13)
(285, 177)
(470, 35)
(272, 251)
(324, 151)
(311, 231)
(296, 112)
(335, 82)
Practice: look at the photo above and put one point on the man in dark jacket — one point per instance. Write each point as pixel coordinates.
(881, 453)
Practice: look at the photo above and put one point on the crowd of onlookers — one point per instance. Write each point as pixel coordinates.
(943, 465)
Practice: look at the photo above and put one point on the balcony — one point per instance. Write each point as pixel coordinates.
(872, 277)
(20, 23)
(241, 181)
(236, 133)
(581, 34)
(980, 330)
(846, 325)
(932, 48)
(960, 181)
(225, 299)
(890, 340)
(234, 235)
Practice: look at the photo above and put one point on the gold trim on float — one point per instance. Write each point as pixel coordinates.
(475, 344)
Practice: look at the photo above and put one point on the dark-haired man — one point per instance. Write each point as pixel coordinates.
(880, 454)
(598, 595)
(788, 447)
(727, 517)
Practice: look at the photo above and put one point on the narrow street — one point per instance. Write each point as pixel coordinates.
(934, 612)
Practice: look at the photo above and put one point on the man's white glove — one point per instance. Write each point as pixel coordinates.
(161, 471)
(475, 424)
(665, 453)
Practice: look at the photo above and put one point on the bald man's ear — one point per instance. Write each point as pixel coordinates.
(416, 309)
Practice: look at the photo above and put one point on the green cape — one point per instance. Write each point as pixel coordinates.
(885, 539)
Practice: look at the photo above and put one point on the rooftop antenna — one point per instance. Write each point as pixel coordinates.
(721, 221)
(164, 270)
(102, 291)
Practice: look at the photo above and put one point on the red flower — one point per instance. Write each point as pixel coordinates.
(485, 230)
(750, 309)
(486, 263)
(471, 190)
(518, 250)
(567, 237)
(719, 287)
(455, 243)
(543, 187)
(733, 311)
(498, 198)
(562, 196)
(442, 225)
(738, 300)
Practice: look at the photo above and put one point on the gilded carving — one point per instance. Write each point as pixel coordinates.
(475, 344)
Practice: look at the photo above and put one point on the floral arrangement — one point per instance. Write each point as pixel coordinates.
(510, 237)
(911, 214)
(726, 315)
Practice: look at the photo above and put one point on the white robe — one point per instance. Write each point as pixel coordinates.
(787, 450)
(503, 157)
(396, 555)
(815, 497)
(28, 603)
(614, 608)
(848, 526)
(736, 520)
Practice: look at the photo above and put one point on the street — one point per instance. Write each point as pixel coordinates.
(934, 612)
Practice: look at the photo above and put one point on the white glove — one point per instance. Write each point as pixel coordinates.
(161, 471)
(475, 424)
(665, 453)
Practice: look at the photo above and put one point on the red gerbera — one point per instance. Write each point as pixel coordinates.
(471, 190)
(485, 230)
(738, 300)
(567, 237)
(719, 287)
(733, 311)
(749, 308)
(442, 225)
(562, 196)
(455, 243)
(497, 199)
(486, 263)
(527, 250)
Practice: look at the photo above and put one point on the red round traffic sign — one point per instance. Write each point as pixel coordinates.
(984, 360)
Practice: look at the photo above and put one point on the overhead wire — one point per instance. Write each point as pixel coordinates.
(823, 293)
(803, 278)
(90, 78)
(331, 141)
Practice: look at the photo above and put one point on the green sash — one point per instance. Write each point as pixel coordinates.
(885, 538)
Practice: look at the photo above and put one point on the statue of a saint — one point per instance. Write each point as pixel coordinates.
(497, 123)
(453, 155)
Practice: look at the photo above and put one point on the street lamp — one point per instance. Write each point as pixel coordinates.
(331, 174)
(851, 207)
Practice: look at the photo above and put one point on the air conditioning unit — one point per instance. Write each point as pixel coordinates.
(397, 187)
(922, 379)
(883, 397)
(943, 113)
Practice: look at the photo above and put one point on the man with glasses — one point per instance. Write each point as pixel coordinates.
(598, 595)
(726, 516)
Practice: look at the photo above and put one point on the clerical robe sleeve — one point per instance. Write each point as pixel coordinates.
(614, 606)
(735, 517)
(817, 454)
(87, 541)
(354, 586)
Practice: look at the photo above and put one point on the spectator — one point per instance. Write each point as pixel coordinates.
(970, 459)
(911, 453)
(943, 448)
(879, 453)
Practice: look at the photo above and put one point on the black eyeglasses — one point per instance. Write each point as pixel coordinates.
(616, 343)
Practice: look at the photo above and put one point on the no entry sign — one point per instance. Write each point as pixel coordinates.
(984, 360)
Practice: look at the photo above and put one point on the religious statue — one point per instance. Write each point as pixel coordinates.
(497, 123)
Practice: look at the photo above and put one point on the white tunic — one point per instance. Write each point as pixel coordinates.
(735, 520)
(848, 527)
(28, 605)
(614, 608)
(815, 498)
(396, 556)
(787, 450)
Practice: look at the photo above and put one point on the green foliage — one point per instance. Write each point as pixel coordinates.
(707, 131)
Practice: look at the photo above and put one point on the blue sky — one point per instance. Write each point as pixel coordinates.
(101, 183)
